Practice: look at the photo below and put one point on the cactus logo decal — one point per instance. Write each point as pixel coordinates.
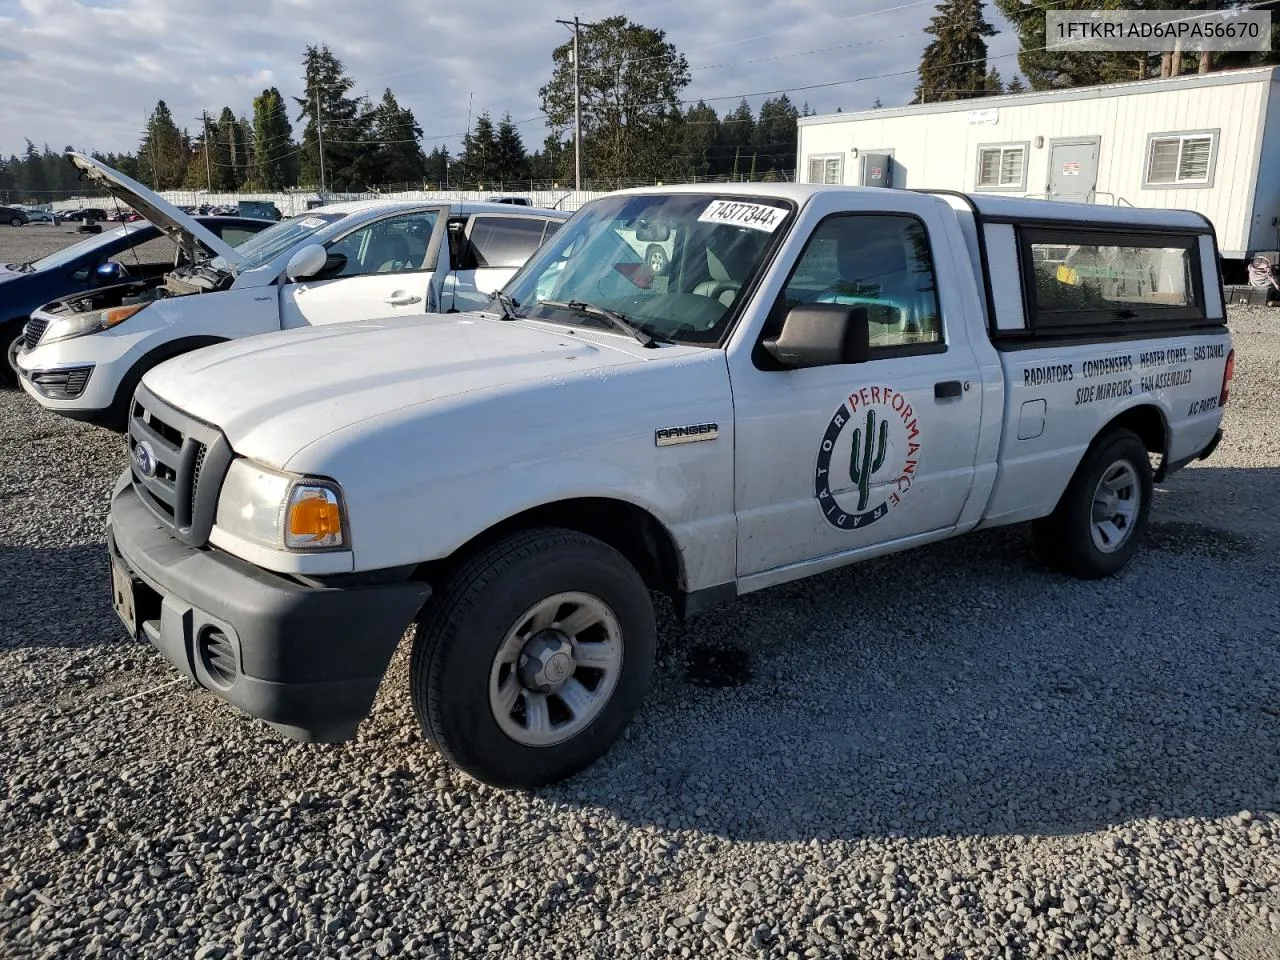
(868, 457)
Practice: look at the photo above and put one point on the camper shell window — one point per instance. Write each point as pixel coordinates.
(1081, 281)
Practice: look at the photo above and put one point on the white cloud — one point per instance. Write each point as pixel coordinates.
(89, 73)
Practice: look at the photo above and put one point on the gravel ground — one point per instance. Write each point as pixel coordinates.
(949, 753)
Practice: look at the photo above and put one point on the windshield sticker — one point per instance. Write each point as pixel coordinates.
(757, 216)
(868, 457)
(311, 223)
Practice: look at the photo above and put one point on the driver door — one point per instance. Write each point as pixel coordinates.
(388, 267)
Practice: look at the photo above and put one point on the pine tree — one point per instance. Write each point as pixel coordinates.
(511, 160)
(954, 65)
(699, 134)
(776, 132)
(554, 162)
(343, 122)
(230, 155)
(274, 155)
(480, 152)
(35, 179)
(394, 135)
(1053, 69)
(1015, 86)
(438, 165)
(163, 153)
(733, 142)
(994, 82)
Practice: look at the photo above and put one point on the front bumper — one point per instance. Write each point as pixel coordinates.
(307, 660)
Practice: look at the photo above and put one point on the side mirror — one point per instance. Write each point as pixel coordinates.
(107, 273)
(820, 335)
(307, 262)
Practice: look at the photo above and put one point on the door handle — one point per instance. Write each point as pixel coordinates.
(947, 389)
(401, 301)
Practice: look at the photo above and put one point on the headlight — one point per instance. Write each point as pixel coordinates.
(280, 510)
(81, 324)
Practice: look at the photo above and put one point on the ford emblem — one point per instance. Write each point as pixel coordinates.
(145, 457)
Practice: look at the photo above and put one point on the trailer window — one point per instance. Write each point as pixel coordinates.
(1106, 280)
(826, 169)
(1183, 159)
(1002, 167)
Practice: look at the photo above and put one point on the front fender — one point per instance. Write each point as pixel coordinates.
(419, 489)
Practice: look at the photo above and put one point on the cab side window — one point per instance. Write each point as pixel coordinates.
(394, 245)
(879, 262)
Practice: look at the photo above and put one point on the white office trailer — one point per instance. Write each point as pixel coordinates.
(1209, 143)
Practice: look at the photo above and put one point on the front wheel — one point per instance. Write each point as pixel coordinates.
(532, 658)
(9, 372)
(15, 222)
(1097, 525)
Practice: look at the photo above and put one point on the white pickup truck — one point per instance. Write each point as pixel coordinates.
(82, 356)
(820, 376)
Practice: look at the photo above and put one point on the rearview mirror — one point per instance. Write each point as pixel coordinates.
(822, 334)
(307, 262)
(649, 231)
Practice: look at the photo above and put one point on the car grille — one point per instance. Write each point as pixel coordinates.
(34, 331)
(178, 464)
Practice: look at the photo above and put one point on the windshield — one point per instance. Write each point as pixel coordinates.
(265, 246)
(673, 266)
(67, 254)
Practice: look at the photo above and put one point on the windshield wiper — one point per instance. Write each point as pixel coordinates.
(508, 304)
(611, 317)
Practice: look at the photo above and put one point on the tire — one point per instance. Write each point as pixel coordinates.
(1074, 538)
(12, 342)
(464, 657)
(657, 260)
(15, 222)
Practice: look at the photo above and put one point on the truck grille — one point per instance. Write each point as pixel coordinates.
(178, 464)
(34, 330)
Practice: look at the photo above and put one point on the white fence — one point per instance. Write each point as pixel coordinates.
(298, 201)
(290, 204)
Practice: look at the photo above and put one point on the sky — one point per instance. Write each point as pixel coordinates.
(87, 73)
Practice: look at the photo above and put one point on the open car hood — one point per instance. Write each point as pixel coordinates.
(172, 222)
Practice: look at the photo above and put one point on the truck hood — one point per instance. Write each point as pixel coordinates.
(274, 394)
(172, 222)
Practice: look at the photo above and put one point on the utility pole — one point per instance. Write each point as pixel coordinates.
(319, 139)
(208, 167)
(576, 26)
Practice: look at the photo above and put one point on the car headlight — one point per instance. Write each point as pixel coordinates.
(280, 510)
(82, 324)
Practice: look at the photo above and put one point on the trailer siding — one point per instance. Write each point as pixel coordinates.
(935, 146)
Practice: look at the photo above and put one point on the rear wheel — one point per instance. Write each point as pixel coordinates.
(532, 658)
(657, 260)
(1098, 524)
